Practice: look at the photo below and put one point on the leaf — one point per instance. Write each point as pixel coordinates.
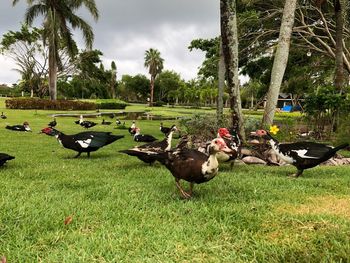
(68, 220)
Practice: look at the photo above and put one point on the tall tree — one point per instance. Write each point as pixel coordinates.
(57, 34)
(280, 61)
(113, 80)
(154, 63)
(229, 38)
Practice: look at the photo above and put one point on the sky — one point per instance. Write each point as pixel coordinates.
(127, 28)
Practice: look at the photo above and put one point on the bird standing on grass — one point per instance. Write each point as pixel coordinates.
(138, 137)
(303, 155)
(52, 123)
(3, 116)
(89, 141)
(191, 165)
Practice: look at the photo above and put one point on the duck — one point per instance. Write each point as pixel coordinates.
(118, 122)
(106, 122)
(233, 142)
(88, 141)
(132, 128)
(4, 157)
(88, 124)
(163, 129)
(192, 165)
(3, 116)
(303, 155)
(146, 151)
(138, 137)
(25, 127)
(81, 119)
(52, 123)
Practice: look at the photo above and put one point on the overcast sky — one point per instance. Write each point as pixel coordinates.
(127, 28)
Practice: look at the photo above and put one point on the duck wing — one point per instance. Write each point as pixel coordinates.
(308, 150)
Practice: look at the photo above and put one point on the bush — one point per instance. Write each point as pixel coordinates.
(111, 104)
(42, 104)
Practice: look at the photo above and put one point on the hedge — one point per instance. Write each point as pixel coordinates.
(111, 104)
(42, 104)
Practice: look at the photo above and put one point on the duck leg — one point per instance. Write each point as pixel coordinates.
(88, 154)
(183, 193)
(297, 174)
(77, 155)
(191, 189)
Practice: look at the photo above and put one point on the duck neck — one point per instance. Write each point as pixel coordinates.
(168, 140)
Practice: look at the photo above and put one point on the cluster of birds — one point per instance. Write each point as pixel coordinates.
(185, 163)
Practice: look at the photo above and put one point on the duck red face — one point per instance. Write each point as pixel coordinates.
(223, 132)
(49, 131)
(261, 133)
(219, 144)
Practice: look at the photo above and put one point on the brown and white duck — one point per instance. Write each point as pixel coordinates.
(191, 165)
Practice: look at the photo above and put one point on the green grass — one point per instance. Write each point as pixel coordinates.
(126, 211)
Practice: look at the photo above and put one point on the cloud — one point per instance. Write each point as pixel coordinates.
(126, 29)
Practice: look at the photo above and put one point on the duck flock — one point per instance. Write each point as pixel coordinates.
(194, 165)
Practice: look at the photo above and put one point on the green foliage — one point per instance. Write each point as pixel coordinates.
(41, 104)
(134, 88)
(167, 82)
(111, 104)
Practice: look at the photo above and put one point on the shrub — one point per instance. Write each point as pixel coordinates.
(111, 104)
(42, 104)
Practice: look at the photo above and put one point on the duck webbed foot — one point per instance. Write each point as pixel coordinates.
(183, 193)
(297, 174)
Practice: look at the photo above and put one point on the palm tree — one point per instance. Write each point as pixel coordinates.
(57, 34)
(154, 63)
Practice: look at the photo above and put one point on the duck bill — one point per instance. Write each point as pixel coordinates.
(226, 149)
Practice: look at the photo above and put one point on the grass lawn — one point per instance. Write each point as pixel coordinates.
(125, 211)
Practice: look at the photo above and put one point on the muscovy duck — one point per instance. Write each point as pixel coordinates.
(4, 158)
(3, 116)
(106, 122)
(191, 165)
(88, 124)
(163, 129)
(146, 151)
(303, 155)
(25, 127)
(132, 128)
(118, 122)
(138, 137)
(52, 123)
(233, 142)
(89, 141)
(81, 119)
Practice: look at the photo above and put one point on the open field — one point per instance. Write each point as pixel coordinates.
(125, 211)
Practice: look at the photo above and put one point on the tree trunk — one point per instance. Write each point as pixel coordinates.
(339, 66)
(52, 74)
(152, 91)
(229, 38)
(280, 61)
(221, 86)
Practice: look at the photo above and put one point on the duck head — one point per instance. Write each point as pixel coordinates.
(218, 145)
(263, 134)
(50, 131)
(26, 126)
(137, 131)
(223, 132)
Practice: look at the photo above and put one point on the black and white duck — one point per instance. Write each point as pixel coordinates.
(3, 116)
(146, 151)
(138, 137)
(303, 155)
(24, 127)
(52, 123)
(132, 128)
(89, 141)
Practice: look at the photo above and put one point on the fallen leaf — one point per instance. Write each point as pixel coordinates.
(68, 220)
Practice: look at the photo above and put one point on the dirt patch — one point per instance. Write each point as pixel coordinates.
(327, 205)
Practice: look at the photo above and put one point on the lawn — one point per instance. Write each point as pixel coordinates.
(125, 211)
